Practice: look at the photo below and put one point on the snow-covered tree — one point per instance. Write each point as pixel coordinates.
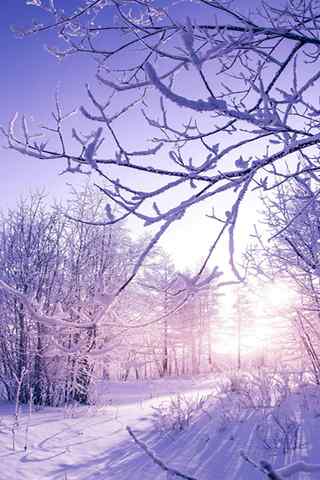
(31, 259)
(289, 250)
(57, 278)
(220, 92)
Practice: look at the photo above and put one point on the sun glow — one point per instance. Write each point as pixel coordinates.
(253, 341)
(277, 295)
(260, 326)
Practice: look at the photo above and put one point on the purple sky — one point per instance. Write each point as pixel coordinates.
(28, 79)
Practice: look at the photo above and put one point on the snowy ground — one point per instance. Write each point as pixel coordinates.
(93, 443)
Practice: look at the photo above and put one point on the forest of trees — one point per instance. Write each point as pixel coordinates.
(77, 287)
(68, 269)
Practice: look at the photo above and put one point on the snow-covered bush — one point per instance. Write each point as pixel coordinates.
(263, 389)
(310, 399)
(230, 411)
(266, 393)
(279, 430)
(177, 413)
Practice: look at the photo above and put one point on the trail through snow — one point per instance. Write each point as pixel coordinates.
(93, 444)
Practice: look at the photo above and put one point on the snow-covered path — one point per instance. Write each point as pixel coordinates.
(85, 443)
(97, 446)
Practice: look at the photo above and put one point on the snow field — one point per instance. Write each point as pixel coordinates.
(91, 443)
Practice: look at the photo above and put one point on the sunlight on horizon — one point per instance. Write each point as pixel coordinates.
(260, 331)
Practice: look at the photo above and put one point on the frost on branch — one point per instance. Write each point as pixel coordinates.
(283, 472)
(251, 100)
(170, 471)
(199, 105)
(92, 147)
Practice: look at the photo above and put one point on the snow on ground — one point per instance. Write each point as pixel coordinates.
(93, 444)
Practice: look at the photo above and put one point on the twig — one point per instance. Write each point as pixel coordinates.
(262, 466)
(279, 474)
(157, 460)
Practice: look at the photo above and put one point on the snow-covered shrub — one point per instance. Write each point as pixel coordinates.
(263, 389)
(310, 399)
(280, 429)
(263, 392)
(280, 426)
(229, 410)
(273, 397)
(287, 429)
(177, 413)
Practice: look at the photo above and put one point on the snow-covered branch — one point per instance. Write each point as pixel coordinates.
(283, 472)
(251, 97)
(156, 459)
